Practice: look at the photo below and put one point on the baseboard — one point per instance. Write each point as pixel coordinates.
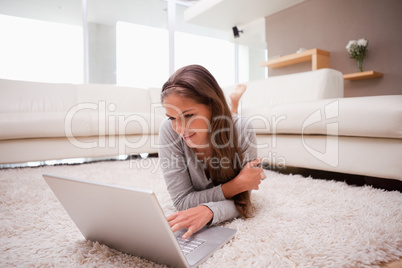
(351, 179)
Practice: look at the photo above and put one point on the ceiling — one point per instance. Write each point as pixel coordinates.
(213, 18)
(106, 12)
(216, 14)
(224, 14)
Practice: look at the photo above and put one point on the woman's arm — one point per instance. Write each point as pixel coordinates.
(248, 179)
(198, 205)
(194, 219)
(196, 208)
(250, 176)
(186, 190)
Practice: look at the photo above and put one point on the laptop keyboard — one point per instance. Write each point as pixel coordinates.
(188, 245)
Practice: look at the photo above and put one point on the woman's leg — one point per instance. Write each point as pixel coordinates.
(235, 97)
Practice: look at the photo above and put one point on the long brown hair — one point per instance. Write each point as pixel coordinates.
(197, 83)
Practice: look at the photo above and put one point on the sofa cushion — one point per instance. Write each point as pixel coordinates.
(259, 117)
(32, 125)
(278, 90)
(374, 116)
(155, 98)
(25, 97)
(76, 124)
(115, 98)
(262, 96)
(155, 94)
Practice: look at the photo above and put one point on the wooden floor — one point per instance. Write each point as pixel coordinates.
(393, 264)
(358, 180)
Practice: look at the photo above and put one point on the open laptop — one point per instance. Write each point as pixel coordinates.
(133, 222)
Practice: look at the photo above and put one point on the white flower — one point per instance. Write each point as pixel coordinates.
(357, 49)
(362, 42)
(350, 44)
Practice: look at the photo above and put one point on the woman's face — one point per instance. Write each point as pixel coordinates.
(191, 120)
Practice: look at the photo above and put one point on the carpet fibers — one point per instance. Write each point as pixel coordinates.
(298, 222)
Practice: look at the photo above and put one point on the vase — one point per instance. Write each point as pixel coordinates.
(360, 65)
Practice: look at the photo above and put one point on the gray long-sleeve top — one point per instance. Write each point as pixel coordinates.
(185, 175)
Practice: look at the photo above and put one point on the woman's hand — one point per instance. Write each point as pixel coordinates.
(251, 175)
(193, 219)
(248, 179)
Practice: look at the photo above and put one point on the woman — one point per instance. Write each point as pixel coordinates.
(209, 162)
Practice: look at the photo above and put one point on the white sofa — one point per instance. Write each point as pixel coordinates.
(301, 120)
(47, 121)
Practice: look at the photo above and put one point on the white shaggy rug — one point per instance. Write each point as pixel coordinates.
(299, 222)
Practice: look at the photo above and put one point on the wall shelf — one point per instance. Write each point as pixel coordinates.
(362, 75)
(319, 59)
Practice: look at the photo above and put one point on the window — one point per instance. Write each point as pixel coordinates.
(42, 51)
(143, 56)
(216, 55)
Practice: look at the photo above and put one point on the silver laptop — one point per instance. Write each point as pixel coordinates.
(133, 222)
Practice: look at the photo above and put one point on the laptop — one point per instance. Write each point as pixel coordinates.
(132, 221)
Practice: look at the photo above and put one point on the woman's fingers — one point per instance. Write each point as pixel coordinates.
(192, 219)
(251, 175)
(255, 162)
(175, 222)
(171, 217)
(189, 233)
(177, 227)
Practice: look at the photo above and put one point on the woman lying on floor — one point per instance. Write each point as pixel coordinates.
(211, 158)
